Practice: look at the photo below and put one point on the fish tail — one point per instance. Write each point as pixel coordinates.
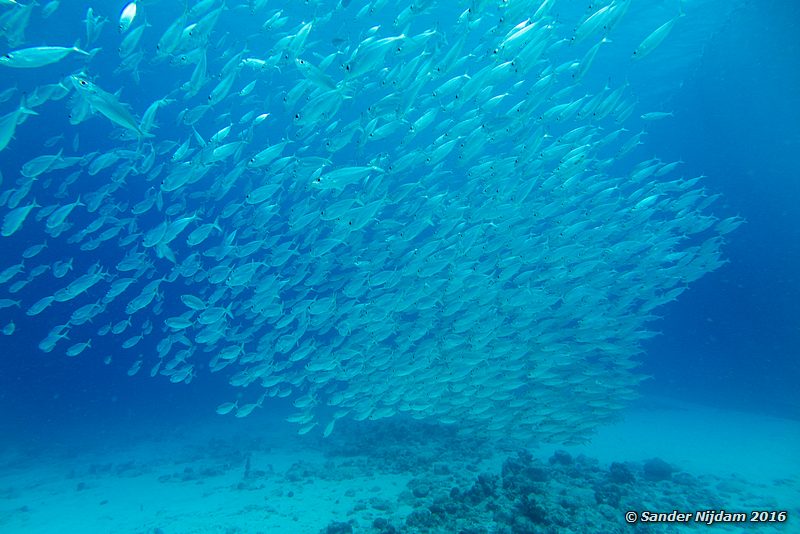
(23, 107)
(141, 133)
(76, 47)
(198, 137)
(345, 90)
(27, 111)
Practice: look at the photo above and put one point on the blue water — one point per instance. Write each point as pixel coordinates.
(733, 338)
(728, 72)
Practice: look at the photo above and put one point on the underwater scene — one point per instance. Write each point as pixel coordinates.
(399, 266)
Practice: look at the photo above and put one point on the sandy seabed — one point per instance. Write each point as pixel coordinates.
(390, 477)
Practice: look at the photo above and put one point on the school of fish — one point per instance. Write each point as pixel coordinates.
(368, 208)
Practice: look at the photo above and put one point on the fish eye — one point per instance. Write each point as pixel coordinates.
(83, 82)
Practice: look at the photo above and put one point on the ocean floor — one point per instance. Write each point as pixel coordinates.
(244, 476)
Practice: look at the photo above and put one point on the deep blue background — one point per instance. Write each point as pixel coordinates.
(734, 338)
